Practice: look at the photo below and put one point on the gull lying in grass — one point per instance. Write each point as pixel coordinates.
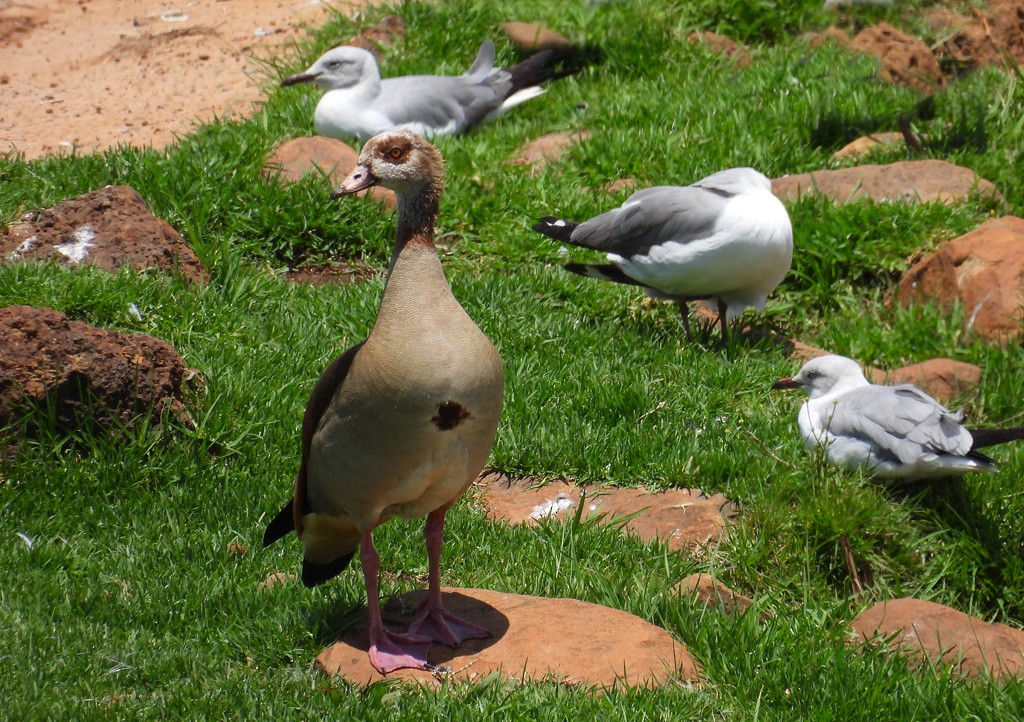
(358, 103)
(725, 239)
(897, 432)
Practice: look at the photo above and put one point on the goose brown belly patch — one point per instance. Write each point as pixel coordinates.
(449, 415)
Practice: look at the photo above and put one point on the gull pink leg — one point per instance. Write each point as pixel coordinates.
(434, 622)
(388, 650)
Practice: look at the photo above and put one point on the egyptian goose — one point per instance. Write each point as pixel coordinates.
(402, 423)
(895, 432)
(358, 103)
(725, 239)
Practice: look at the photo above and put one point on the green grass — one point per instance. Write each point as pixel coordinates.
(130, 603)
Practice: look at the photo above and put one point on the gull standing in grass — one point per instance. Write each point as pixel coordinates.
(896, 432)
(402, 423)
(725, 239)
(358, 103)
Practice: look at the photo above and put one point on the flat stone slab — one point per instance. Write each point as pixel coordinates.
(944, 636)
(534, 639)
(683, 518)
(914, 181)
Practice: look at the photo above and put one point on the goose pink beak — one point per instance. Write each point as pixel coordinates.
(359, 179)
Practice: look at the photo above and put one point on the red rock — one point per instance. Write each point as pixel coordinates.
(867, 144)
(528, 37)
(386, 32)
(942, 378)
(911, 181)
(935, 634)
(983, 270)
(995, 37)
(109, 228)
(712, 593)
(683, 518)
(533, 639)
(325, 157)
(548, 149)
(905, 59)
(86, 372)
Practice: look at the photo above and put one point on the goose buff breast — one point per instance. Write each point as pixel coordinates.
(401, 424)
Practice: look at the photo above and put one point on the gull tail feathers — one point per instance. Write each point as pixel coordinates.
(556, 228)
(604, 271)
(991, 437)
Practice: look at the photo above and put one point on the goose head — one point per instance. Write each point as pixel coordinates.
(399, 160)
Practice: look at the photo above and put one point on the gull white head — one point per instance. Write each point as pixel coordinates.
(342, 67)
(825, 374)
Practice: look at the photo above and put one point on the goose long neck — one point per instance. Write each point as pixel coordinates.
(417, 213)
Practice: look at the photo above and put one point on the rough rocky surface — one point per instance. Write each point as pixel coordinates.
(533, 639)
(983, 270)
(71, 72)
(912, 181)
(711, 593)
(548, 149)
(992, 36)
(109, 228)
(683, 518)
(326, 157)
(905, 59)
(529, 37)
(87, 373)
(935, 634)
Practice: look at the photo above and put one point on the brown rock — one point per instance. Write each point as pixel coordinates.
(911, 181)
(533, 639)
(85, 372)
(326, 157)
(804, 352)
(905, 60)
(866, 144)
(935, 634)
(712, 594)
(527, 37)
(548, 149)
(386, 32)
(983, 270)
(943, 378)
(992, 38)
(683, 518)
(617, 186)
(723, 45)
(109, 228)
(280, 579)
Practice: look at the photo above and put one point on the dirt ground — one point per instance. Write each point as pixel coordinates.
(93, 74)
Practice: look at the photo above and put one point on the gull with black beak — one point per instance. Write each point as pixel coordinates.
(895, 432)
(357, 102)
(402, 423)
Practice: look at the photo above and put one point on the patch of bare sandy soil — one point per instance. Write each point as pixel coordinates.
(93, 74)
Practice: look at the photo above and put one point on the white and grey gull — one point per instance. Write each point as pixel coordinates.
(358, 102)
(725, 239)
(895, 432)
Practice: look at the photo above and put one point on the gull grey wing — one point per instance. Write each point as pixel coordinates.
(653, 216)
(900, 420)
(435, 101)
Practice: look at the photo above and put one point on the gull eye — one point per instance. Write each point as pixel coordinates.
(332, 64)
(813, 374)
(395, 153)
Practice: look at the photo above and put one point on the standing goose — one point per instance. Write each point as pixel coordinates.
(401, 424)
(725, 238)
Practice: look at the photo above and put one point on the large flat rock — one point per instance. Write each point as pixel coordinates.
(912, 181)
(685, 519)
(940, 635)
(534, 639)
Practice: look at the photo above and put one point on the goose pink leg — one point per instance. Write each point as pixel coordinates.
(433, 621)
(388, 650)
